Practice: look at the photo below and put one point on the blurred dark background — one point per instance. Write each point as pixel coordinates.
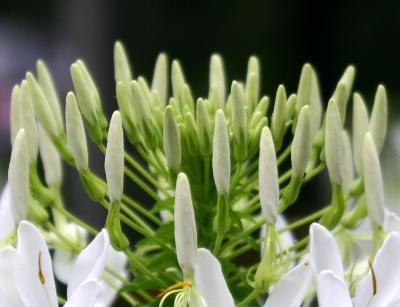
(284, 34)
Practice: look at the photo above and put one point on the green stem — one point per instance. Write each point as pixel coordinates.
(140, 209)
(76, 220)
(304, 221)
(250, 298)
(282, 157)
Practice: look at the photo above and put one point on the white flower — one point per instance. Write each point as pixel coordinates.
(31, 267)
(7, 223)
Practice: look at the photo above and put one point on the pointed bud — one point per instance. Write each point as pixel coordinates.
(160, 78)
(347, 165)
(334, 151)
(291, 107)
(15, 110)
(253, 78)
(171, 140)
(27, 121)
(46, 83)
(185, 227)
(217, 78)
(114, 160)
(239, 120)
(50, 159)
(42, 108)
(125, 106)
(203, 127)
(343, 91)
(302, 142)
(89, 101)
(177, 79)
(304, 87)
(122, 67)
(279, 116)
(18, 178)
(221, 160)
(76, 133)
(360, 127)
(373, 182)
(268, 177)
(378, 123)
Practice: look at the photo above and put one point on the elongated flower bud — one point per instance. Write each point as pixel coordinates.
(46, 83)
(268, 177)
(343, 91)
(42, 108)
(15, 107)
(50, 159)
(334, 151)
(160, 78)
(114, 160)
(279, 116)
(185, 227)
(378, 123)
(253, 79)
(373, 181)
(217, 78)
(290, 106)
(203, 127)
(18, 178)
(302, 142)
(122, 67)
(125, 106)
(304, 87)
(221, 160)
(347, 165)
(177, 79)
(27, 121)
(89, 101)
(360, 127)
(239, 120)
(76, 133)
(172, 140)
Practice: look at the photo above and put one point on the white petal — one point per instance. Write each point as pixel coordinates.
(210, 281)
(90, 262)
(363, 292)
(6, 219)
(63, 262)
(116, 261)
(8, 291)
(292, 287)
(85, 295)
(332, 291)
(324, 250)
(392, 222)
(387, 271)
(33, 258)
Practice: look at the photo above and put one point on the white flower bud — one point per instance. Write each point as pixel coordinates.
(373, 183)
(343, 91)
(334, 152)
(27, 121)
(302, 142)
(171, 140)
(114, 160)
(46, 83)
(347, 165)
(221, 160)
(42, 108)
(268, 177)
(76, 133)
(160, 78)
(278, 124)
(122, 68)
(177, 79)
(217, 78)
(378, 122)
(252, 89)
(360, 127)
(50, 159)
(15, 123)
(239, 116)
(304, 87)
(18, 178)
(185, 227)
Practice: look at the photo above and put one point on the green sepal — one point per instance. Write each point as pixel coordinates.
(221, 223)
(291, 193)
(353, 218)
(113, 225)
(93, 185)
(333, 216)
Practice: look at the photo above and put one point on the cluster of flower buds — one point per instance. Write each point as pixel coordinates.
(222, 170)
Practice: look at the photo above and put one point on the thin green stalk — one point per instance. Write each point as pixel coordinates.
(130, 202)
(286, 153)
(76, 220)
(304, 221)
(250, 298)
(314, 172)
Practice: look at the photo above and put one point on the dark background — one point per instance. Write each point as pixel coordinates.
(284, 34)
